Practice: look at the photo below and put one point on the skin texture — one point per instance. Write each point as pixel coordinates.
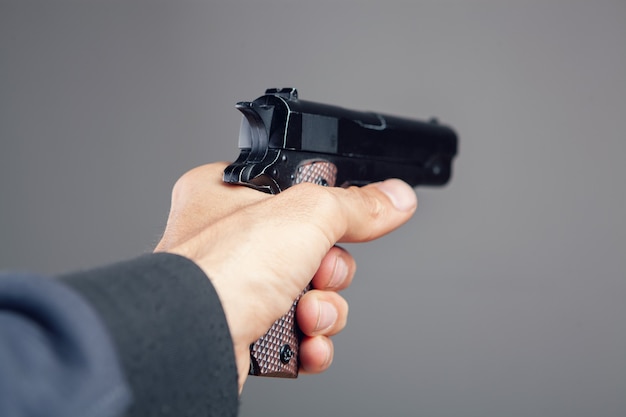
(261, 250)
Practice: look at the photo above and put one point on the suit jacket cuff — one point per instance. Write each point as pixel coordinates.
(170, 331)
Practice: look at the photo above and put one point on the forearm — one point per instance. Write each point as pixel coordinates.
(169, 329)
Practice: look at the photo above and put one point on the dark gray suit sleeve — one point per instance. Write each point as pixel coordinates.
(170, 332)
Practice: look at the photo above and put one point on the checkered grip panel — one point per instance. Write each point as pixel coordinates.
(317, 172)
(276, 353)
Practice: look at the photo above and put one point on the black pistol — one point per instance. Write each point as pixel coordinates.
(284, 141)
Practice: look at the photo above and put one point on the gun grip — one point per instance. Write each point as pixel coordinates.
(276, 353)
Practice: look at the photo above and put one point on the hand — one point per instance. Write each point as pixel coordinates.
(261, 250)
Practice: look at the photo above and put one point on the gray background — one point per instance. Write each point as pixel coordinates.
(504, 296)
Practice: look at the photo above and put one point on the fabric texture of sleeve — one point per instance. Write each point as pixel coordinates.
(170, 332)
(56, 357)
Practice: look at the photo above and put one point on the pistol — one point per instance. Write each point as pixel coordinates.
(285, 141)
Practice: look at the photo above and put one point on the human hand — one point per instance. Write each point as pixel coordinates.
(261, 250)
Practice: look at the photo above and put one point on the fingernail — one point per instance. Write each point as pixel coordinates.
(328, 316)
(340, 272)
(400, 193)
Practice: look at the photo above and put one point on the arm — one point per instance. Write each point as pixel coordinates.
(168, 326)
(257, 251)
(81, 346)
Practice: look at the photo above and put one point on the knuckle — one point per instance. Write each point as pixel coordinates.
(196, 178)
(183, 185)
(320, 206)
(373, 207)
(318, 199)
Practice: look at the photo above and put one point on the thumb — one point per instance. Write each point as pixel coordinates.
(357, 214)
(385, 206)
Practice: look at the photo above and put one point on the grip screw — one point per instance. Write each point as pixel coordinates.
(286, 354)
